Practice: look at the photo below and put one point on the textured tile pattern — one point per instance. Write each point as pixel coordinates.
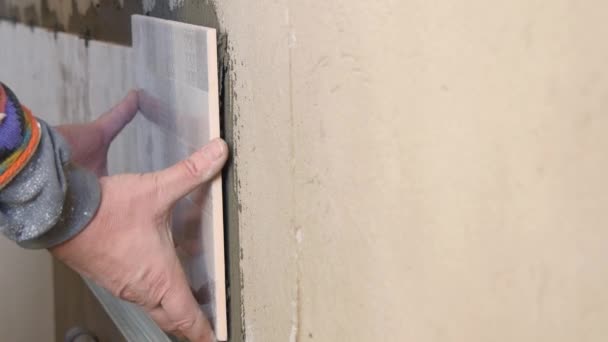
(65, 81)
(176, 69)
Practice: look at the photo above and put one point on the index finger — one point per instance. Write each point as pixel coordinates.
(117, 118)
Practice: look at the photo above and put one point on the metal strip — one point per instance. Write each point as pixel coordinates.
(132, 321)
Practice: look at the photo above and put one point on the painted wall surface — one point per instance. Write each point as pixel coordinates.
(418, 170)
(26, 294)
(422, 171)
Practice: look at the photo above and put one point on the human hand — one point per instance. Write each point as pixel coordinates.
(90, 142)
(128, 247)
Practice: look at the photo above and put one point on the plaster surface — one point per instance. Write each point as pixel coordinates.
(26, 294)
(421, 171)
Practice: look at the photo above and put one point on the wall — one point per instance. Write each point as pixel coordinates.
(26, 294)
(418, 170)
(421, 170)
(62, 80)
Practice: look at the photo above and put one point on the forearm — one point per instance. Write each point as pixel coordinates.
(44, 199)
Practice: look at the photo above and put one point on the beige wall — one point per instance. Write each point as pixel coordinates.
(422, 171)
(26, 294)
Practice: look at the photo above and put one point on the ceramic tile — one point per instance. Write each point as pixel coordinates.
(176, 69)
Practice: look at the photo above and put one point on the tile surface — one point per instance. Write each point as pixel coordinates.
(176, 69)
(64, 80)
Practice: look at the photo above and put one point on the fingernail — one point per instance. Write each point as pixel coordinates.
(217, 148)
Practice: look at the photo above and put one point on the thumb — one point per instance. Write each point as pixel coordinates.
(184, 177)
(113, 121)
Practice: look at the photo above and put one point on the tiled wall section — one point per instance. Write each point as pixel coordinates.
(61, 80)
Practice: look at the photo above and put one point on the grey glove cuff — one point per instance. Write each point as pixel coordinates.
(50, 200)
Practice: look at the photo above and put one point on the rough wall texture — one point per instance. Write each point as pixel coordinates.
(419, 170)
(26, 294)
(422, 171)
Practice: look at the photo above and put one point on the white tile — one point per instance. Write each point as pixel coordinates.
(176, 68)
(63, 81)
